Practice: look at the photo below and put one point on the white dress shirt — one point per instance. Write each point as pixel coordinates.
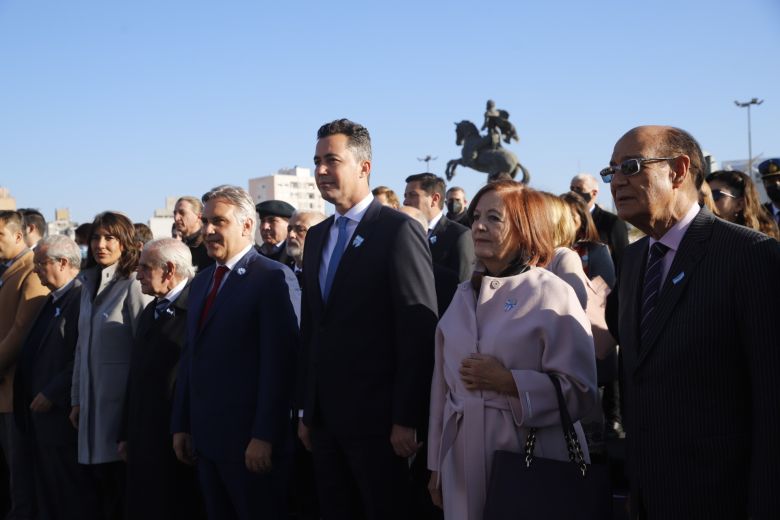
(355, 215)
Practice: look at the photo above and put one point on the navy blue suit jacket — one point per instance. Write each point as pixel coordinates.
(236, 372)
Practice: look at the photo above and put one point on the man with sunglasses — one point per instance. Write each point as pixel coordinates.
(612, 230)
(695, 300)
(770, 176)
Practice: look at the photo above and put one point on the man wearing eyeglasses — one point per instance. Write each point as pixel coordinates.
(299, 224)
(695, 300)
(612, 230)
(770, 176)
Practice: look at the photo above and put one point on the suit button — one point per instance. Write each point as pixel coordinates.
(495, 284)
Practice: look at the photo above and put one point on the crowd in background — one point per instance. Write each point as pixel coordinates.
(268, 362)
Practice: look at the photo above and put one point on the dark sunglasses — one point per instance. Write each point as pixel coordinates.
(629, 167)
(719, 194)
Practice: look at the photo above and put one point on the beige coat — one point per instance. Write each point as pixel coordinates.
(21, 297)
(534, 324)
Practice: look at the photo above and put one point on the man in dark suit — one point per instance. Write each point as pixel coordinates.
(42, 388)
(612, 230)
(696, 300)
(457, 206)
(158, 485)
(186, 220)
(770, 177)
(368, 319)
(450, 243)
(272, 230)
(233, 390)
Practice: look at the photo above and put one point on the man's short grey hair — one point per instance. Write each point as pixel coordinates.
(195, 204)
(313, 215)
(589, 179)
(60, 246)
(173, 251)
(235, 196)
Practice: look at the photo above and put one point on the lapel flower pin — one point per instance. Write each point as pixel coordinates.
(510, 304)
(241, 271)
(57, 312)
(433, 239)
(170, 311)
(358, 240)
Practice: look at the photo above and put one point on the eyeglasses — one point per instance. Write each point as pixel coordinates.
(629, 167)
(719, 194)
(299, 230)
(42, 264)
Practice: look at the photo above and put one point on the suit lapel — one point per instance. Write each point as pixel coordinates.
(314, 259)
(355, 247)
(438, 231)
(200, 291)
(231, 284)
(692, 249)
(62, 304)
(16, 266)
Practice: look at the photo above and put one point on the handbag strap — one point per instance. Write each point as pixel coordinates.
(569, 433)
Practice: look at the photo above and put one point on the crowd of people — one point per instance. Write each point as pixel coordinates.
(264, 362)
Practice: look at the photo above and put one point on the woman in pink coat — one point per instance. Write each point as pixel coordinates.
(503, 333)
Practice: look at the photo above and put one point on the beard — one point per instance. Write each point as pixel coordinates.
(294, 250)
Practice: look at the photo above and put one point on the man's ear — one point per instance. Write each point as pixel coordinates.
(680, 170)
(365, 168)
(170, 270)
(436, 200)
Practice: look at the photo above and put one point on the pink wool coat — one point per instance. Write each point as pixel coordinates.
(534, 324)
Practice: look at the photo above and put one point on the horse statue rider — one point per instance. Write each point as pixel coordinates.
(485, 153)
(497, 121)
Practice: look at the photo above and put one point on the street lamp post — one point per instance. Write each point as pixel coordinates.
(746, 104)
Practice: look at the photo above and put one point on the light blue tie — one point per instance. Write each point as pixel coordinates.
(335, 257)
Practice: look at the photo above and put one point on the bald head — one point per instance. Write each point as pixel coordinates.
(664, 189)
(587, 186)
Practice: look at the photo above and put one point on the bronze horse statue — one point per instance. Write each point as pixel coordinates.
(484, 153)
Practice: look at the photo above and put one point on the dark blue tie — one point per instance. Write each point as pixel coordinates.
(160, 307)
(652, 285)
(335, 257)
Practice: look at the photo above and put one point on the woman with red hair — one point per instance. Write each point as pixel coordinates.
(504, 332)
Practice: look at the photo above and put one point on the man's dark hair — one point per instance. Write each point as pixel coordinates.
(11, 219)
(679, 142)
(142, 233)
(430, 184)
(358, 139)
(33, 217)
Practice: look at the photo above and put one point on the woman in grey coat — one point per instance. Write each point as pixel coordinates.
(111, 305)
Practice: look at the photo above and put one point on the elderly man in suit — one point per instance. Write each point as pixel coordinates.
(233, 390)
(696, 300)
(368, 318)
(158, 485)
(21, 297)
(450, 243)
(42, 387)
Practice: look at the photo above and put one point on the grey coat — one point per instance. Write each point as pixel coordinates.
(107, 326)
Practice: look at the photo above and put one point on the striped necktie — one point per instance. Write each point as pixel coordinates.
(652, 284)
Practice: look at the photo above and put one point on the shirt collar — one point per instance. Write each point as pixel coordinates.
(357, 211)
(59, 293)
(230, 264)
(674, 236)
(176, 291)
(435, 220)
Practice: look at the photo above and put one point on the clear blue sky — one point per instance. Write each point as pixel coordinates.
(114, 105)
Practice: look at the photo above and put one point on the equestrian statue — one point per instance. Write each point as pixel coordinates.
(485, 153)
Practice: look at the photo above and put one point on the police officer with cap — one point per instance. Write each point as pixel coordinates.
(770, 176)
(272, 230)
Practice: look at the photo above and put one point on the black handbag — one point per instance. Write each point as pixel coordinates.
(526, 487)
